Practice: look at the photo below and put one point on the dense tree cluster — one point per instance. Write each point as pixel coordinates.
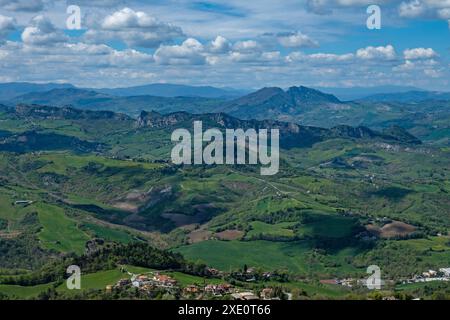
(111, 256)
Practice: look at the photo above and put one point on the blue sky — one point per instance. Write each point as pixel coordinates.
(243, 44)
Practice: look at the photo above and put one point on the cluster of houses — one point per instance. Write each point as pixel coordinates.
(146, 282)
(443, 274)
(158, 280)
(153, 281)
(219, 290)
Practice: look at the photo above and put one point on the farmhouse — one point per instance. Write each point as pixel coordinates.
(429, 273)
(219, 289)
(445, 271)
(147, 287)
(23, 202)
(192, 289)
(163, 280)
(266, 293)
(213, 272)
(142, 278)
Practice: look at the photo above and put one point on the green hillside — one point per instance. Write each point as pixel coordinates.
(344, 198)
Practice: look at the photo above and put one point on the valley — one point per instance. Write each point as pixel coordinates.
(76, 181)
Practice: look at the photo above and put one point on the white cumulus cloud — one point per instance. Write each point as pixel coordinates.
(135, 28)
(247, 46)
(42, 32)
(439, 9)
(220, 45)
(411, 9)
(319, 57)
(296, 40)
(369, 53)
(419, 53)
(190, 52)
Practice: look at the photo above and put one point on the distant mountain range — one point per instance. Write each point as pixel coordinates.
(410, 96)
(9, 91)
(267, 103)
(424, 113)
(356, 93)
(174, 90)
(13, 90)
(133, 105)
(63, 97)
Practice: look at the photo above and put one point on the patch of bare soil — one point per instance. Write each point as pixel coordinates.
(190, 227)
(199, 235)
(126, 206)
(392, 230)
(229, 235)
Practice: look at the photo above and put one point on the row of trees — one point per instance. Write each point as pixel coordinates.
(110, 256)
